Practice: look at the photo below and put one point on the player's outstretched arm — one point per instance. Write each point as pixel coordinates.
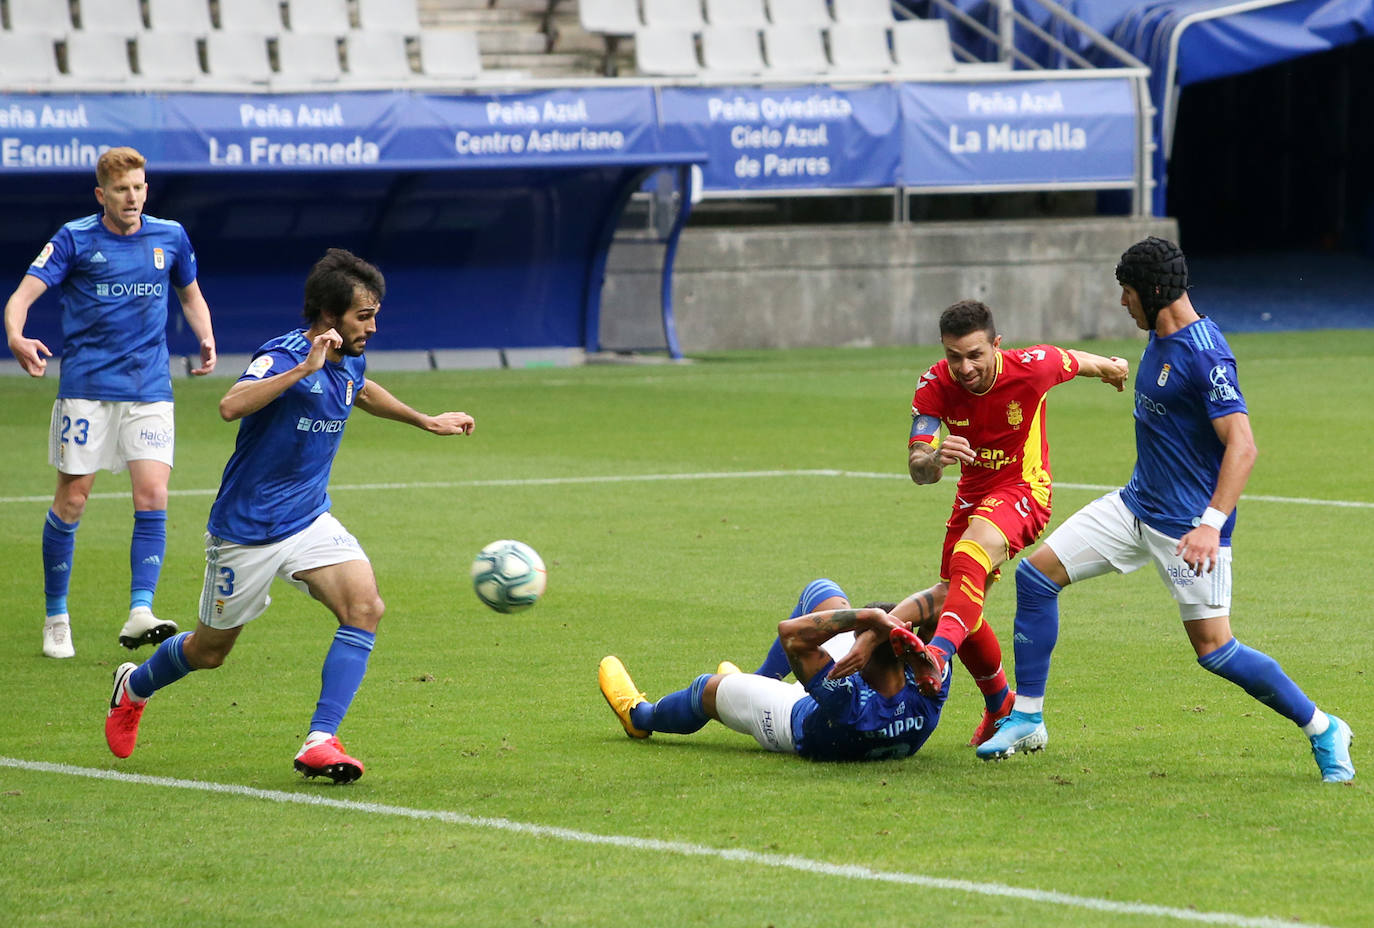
(248, 396)
(31, 354)
(380, 402)
(197, 313)
(1112, 371)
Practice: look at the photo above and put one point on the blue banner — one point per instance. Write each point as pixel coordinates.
(1018, 133)
(780, 139)
(358, 130)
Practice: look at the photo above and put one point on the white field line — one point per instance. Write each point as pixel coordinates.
(779, 861)
(703, 475)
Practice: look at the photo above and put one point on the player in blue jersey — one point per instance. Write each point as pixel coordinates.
(874, 713)
(116, 270)
(271, 517)
(1194, 453)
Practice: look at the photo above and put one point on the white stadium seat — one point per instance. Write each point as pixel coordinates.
(121, 17)
(305, 58)
(389, 16)
(666, 52)
(101, 57)
(27, 59)
(859, 48)
(873, 12)
(191, 16)
(327, 16)
(922, 46)
(736, 13)
(377, 57)
(43, 17)
(731, 50)
(609, 17)
(237, 57)
(795, 49)
(260, 16)
(167, 58)
(673, 14)
(799, 12)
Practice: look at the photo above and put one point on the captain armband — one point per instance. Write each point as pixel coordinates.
(923, 430)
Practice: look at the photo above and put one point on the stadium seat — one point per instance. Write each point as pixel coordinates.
(799, 12)
(737, 13)
(450, 54)
(609, 17)
(673, 14)
(731, 50)
(260, 16)
(191, 16)
(237, 57)
(98, 57)
(327, 16)
(167, 58)
(43, 17)
(859, 48)
(307, 58)
(795, 49)
(377, 57)
(389, 16)
(872, 12)
(666, 52)
(27, 59)
(922, 46)
(121, 17)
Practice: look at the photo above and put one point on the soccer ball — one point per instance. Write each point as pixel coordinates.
(508, 576)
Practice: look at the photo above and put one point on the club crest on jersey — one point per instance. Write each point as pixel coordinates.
(348, 394)
(159, 259)
(1163, 375)
(1014, 416)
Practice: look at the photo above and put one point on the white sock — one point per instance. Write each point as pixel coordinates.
(1029, 705)
(315, 737)
(1318, 726)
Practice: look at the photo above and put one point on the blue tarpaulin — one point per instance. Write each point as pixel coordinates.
(1185, 41)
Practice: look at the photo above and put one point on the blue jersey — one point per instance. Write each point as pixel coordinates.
(114, 305)
(1183, 382)
(846, 719)
(277, 480)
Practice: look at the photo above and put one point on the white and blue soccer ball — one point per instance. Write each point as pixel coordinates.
(508, 576)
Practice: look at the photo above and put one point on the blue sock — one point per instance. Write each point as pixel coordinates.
(1261, 676)
(166, 666)
(944, 644)
(341, 675)
(59, 545)
(776, 665)
(146, 550)
(677, 713)
(993, 701)
(1035, 630)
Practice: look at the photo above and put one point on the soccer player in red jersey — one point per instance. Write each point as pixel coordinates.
(992, 404)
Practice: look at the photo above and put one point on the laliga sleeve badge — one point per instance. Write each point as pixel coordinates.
(261, 365)
(43, 256)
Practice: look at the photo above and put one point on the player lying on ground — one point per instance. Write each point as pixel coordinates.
(980, 653)
(1194, 453)
(876, 713)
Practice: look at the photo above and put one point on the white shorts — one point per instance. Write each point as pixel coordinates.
(1104, 536)
(91, 435)
(759, 706)
(237, 577)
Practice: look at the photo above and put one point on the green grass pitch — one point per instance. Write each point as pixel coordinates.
(1166, 796)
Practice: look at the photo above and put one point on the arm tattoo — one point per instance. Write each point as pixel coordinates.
(925, 604)
(841, 620)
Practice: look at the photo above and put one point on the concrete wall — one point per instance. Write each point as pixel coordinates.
(823, 285)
